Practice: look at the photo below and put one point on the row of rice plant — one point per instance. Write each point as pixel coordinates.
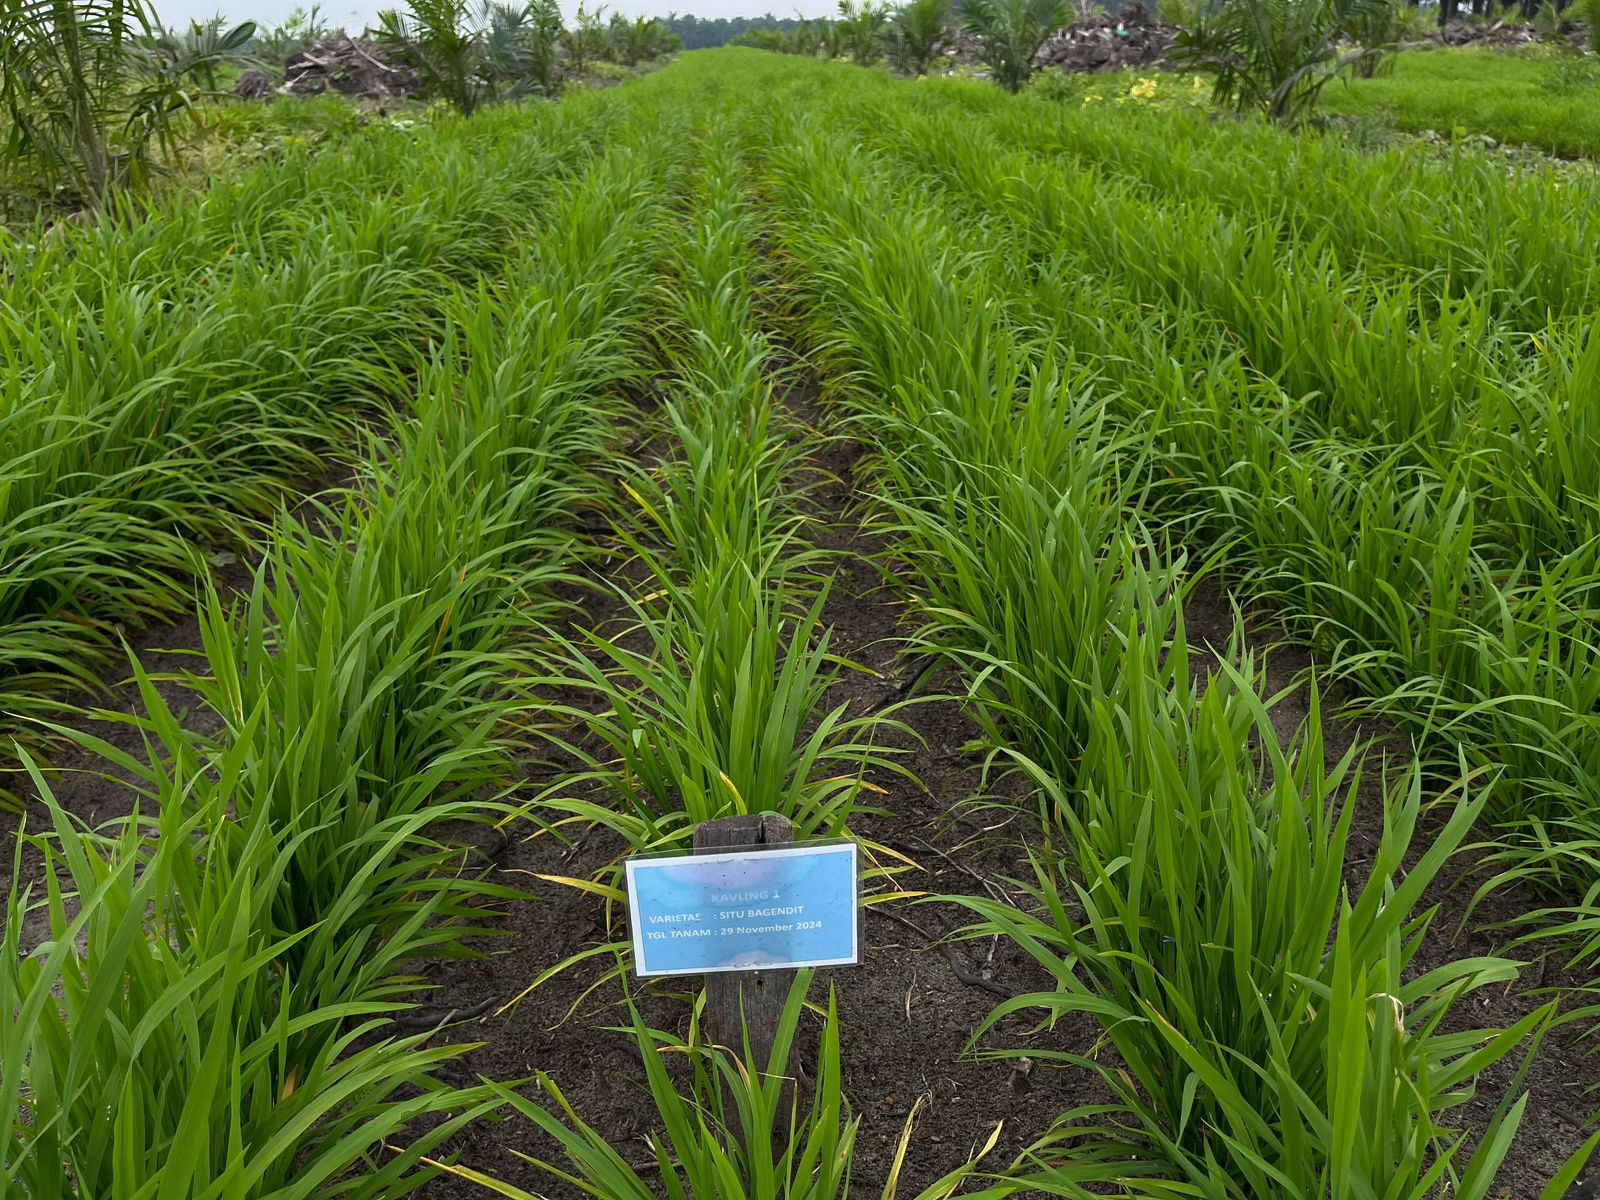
(1261, 1032)
(166, 375)
(1485, 548)
(714, 701)
(1360, 355)
(1330, 345)
(712, 698)
(224, 974)
(1478, 532)
(1462, 224)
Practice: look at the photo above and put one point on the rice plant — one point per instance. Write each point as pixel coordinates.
(1363, 1101)
(740, 1132)
(1095, 352)
(724, 710)
(1339, 417)
(248, 951)
(714, 699)
(1268, 1036)
(157, 996)
(112, 492)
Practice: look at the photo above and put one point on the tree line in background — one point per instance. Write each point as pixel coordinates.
(707, 33)
(472, 52)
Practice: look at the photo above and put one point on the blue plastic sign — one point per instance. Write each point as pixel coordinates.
(745, 910)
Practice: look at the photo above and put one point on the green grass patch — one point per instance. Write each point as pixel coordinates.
(1542, 102)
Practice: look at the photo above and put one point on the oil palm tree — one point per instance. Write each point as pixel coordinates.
(1277, 55)
(916, 34)
(1012, 31)
(92, 89)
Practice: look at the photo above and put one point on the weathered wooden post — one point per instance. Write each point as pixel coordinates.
(740, 1000)
(745, 910)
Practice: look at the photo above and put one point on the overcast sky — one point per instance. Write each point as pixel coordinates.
(356, 13)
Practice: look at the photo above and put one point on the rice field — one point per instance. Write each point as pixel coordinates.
(1168, 545)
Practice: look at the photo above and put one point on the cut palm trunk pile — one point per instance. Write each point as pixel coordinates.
(349, 66)
(1105, 42)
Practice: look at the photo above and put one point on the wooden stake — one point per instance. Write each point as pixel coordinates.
(758, 995)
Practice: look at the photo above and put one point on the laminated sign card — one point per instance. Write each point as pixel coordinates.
(794, 906)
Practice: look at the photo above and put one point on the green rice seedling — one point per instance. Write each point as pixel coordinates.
(1379, 568)
(357, 895)
(1350, 545)
(151, 1047)
(1372, 202)
(385, 641)
(1306, 340)
(1402, 210)
(362, 687)
(1007, 497)
(1541, 467)
(723, 710)
(715, 700)
(1269, 1038)
(736, 1132)
(1445, 1064)
(1331, 344)
(729, 491)
(729, 495)
(381, 639)
(1519, 686)
(1024, 579)
(1382, 539)
(1385, 362)
(383, 690)
(714, 295)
